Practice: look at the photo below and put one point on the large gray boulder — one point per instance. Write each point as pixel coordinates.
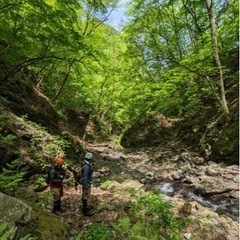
(13, 212)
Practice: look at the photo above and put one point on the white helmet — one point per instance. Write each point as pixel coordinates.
(88, 156)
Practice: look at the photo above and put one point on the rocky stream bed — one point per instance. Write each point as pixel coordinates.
(203, 191)
(175, 174)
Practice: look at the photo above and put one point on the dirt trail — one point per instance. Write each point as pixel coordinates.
(71, 202)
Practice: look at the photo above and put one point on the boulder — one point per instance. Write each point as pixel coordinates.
(14, 212)
(206, 224)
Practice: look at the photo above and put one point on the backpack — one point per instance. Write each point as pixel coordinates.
(47, 175)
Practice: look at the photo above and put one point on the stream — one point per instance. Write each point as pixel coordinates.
(120, 173)
(221, 205)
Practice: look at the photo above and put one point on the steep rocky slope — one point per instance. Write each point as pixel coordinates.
(212, 134)
(21, 98)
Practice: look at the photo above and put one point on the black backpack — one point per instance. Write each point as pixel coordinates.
(47, 176)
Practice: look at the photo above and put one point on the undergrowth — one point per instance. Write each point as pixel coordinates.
(7, 233)
(151, 217)
(11, 177)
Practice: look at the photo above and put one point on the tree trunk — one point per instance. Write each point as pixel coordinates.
(62, 83)
(216, 54)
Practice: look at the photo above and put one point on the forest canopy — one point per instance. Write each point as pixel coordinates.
(171, 57)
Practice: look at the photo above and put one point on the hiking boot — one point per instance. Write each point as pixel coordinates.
(88, 213)
(55, 207)
(62, 210)
(54, 211)
(59, 207)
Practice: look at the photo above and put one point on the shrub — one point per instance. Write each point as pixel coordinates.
(96, 232)
(105, 184)
(149, 218)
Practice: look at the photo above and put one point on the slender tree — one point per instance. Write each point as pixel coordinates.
(215, 51)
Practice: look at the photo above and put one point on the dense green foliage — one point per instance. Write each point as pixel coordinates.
(11, 177)
(14, 149)
(161, 62)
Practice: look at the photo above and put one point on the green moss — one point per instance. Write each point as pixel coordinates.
(228, 143)
(45, 226)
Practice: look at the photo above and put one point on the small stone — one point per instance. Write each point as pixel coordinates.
(111, 207)
(236, 179)
(143, 181)
(234, 195)
(187, 235)
(211, 172)
(115, 216)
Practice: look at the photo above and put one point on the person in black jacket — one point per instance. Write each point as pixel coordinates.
(56, 178)
(86, 183)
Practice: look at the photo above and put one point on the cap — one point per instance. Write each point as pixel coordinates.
(58, 160)
(88, 156)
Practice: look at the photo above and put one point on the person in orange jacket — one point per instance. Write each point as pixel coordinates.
(56, 178)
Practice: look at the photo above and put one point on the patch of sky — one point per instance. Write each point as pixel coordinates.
(117, 16)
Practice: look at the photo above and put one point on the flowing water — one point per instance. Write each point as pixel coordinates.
(221, 205)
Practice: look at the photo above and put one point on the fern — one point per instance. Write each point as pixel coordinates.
(151, 217)
(7, 141)
(10, 177)
(123, 226)
(34, 124)
(2, 228)
(5, 121)
(28, 237)
(105, 185)
(5, 233)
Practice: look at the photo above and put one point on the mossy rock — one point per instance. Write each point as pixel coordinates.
(44, 225)
(227, 145)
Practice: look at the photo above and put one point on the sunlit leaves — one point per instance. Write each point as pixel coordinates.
(159, 64)
(170, 41)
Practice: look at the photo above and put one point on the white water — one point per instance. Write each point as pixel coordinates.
(168, 189)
